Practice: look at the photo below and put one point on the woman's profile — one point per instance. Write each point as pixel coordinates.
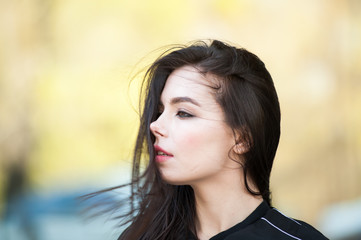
(208, 135)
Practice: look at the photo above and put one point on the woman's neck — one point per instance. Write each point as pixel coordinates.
(220, 206)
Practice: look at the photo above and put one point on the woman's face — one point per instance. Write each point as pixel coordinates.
(192, 139)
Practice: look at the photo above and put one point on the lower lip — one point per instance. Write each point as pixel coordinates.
(162, 158)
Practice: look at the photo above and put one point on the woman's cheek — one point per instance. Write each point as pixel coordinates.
(191, 137)
(191, 140)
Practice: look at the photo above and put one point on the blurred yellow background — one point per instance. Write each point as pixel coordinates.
(68, 110)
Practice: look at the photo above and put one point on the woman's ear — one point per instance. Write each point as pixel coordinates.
(240, 148)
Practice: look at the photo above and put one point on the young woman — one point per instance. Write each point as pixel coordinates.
(208, 134)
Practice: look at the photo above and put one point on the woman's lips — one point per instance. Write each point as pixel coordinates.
(161, 155)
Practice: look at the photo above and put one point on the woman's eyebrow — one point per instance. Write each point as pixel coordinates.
(184, 99)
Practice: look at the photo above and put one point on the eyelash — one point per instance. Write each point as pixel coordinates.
(180, 114)
(183, 114)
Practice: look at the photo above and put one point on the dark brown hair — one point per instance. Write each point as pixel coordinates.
(248, 98)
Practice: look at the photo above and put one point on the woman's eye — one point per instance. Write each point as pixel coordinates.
(183, 114)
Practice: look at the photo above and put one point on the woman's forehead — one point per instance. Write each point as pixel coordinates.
(195, 75)
(189, 81)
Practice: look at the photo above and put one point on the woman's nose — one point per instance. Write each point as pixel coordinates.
(157, 129)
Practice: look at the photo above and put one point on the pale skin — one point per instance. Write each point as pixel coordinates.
(192, 130)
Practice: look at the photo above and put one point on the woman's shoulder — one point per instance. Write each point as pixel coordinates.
(267, 223)
(276, 225)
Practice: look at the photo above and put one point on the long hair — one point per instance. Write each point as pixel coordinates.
(247, 95)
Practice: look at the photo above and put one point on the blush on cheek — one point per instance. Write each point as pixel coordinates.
(191, 140)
